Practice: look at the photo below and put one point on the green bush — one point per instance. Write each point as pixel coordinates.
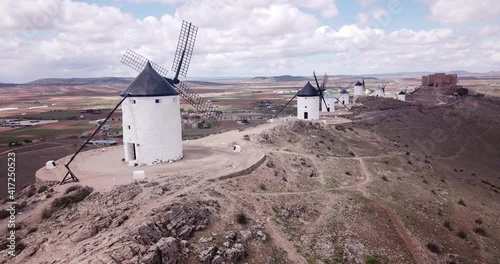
(372, 260)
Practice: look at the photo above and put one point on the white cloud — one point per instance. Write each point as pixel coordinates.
(462, 11)
(246, 38)
(366, 2)
(376, 15)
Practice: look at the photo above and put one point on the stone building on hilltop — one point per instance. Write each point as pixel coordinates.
(442, 81)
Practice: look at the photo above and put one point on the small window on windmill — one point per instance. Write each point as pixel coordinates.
(128, 127)
(157, 101)
(305, 106)
(133, 101)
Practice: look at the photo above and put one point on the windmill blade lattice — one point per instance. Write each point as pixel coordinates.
(138, 62)
(184, 51)
(324, 82)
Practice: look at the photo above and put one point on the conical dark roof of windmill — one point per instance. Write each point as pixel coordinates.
(402, 92)
(149, 83)
(308, 90)
(359, 84)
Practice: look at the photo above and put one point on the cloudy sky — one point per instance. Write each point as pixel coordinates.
(70, 38)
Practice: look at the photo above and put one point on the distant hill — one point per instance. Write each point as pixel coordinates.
(202, 83)
(7, 84)
(281, 78)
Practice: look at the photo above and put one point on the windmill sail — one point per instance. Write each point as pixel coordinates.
(180, 66)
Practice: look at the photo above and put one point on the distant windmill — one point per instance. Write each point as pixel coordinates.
(312, 100)
(359, 88)
(380, 91)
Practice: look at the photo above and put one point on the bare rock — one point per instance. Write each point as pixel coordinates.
(235, 253)
(123, 193)
(245, 235)
(261, 235)
(231, 235)
(119, 220)
(205, 239)
(356, 252)
(208, 254)
(165, 251)
(217, 260)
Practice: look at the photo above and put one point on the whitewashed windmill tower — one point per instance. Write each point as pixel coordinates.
(152, 130)
(380, 91)
(402, 96)
(308, 101)
(344, 96)
(359, 89)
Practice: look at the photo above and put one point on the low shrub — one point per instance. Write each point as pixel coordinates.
(32, 230)
(433, 248)
(72, 197)
(241, 218)
(31, 191)
(4, 214)
(447, 224)
(46, 213)
(372, 260)
(480, 231)
(42, 189)
(461, 234)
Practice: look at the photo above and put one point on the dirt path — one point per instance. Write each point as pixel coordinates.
(411, 243)
(271, 227)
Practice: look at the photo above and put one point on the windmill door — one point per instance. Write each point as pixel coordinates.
(131, 151)
(306, 115)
